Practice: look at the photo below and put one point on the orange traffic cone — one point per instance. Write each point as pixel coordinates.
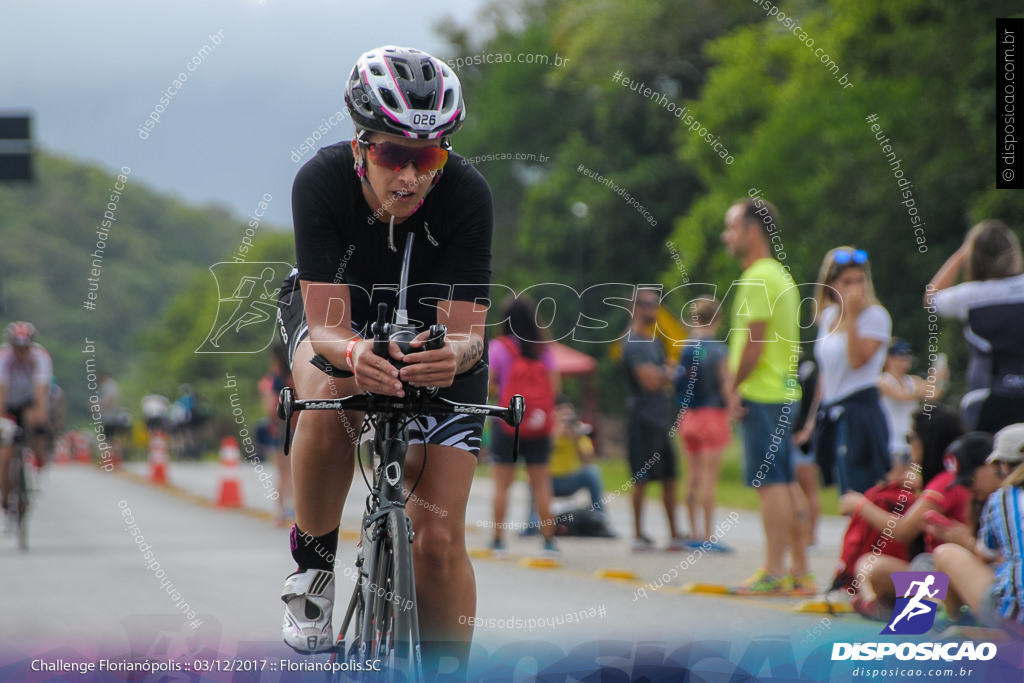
(62, 451)
(230, 487)
(158, 458)
(80, 447)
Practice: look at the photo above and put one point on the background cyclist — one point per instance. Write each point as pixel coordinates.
(26, 373)
(362, 198)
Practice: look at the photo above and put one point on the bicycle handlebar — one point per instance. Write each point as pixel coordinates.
(418, 400)
(288, 405)
(411, 405)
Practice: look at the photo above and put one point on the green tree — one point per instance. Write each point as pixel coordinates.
(923, 67)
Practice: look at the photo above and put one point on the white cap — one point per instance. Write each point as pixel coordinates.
(1008, 445)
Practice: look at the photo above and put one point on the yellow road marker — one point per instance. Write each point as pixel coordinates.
(708, 588)
(822, 606)
(539, 563)
(616, 574)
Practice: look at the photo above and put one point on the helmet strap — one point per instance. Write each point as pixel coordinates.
(360, 164)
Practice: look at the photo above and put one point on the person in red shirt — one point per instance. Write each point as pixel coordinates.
(944, 494)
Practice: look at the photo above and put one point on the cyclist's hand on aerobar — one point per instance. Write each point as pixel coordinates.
(433, 368)
(373, 373)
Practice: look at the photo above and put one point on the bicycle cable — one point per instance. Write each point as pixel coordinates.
(367, 421)
(423, 465)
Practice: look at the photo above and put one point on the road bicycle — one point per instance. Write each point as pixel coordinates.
(381, 621)
(20, 489)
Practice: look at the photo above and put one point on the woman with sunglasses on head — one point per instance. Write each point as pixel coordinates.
(852, 439)
(990, 300)
(353, 205)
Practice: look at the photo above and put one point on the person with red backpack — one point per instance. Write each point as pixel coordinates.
(520, 363)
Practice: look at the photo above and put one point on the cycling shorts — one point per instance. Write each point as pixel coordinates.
(458, 431)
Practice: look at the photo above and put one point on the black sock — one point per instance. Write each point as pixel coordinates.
(314, 552)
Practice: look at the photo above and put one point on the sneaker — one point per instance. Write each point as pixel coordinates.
(551, 550)
(803, 586)
(719, 547)
(642, 544)
(677, 544)
(498, 548)
(761, 583)
(309, 605)
(870, 609)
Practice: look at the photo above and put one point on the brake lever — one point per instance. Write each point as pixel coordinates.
(285, 409)
(436, 338)
(514, 417)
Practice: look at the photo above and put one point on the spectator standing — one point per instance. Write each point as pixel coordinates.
(990, 301)
(117, 422)
(805, 466)
(652, 455)
(270, 432)
(522, 363)
(901, 394)
(852, 439)
(701, 380)
(764, 343)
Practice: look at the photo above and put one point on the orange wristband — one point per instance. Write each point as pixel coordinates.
(348, 354)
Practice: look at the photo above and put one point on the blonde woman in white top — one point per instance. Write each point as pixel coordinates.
(852, 439)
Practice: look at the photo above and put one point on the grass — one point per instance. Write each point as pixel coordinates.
(731, 492)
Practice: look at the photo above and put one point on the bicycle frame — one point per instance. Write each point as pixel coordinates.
(18, 498)
(385, 548)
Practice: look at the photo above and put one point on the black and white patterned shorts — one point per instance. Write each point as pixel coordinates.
(458, 431)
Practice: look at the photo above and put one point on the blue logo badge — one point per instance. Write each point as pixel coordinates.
(914, 612)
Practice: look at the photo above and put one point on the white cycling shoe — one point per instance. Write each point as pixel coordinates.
(309, 605)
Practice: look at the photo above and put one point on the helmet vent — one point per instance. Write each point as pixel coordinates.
(376, 70)
(428, 71)
(418, 102)
(402, 69)
(389, 99)
(449, 96)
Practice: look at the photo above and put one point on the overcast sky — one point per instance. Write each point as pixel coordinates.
(91, 72)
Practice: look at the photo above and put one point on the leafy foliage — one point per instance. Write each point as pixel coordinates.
(154, 248)
(924, 67)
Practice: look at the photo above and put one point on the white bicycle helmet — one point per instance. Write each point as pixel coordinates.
(407, 92)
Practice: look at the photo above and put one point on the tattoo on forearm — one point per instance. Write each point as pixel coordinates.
(471, 355)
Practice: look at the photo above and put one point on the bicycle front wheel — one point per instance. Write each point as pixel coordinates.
(17, 500)
(391, 623)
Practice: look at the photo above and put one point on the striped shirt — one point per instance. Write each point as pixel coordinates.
(1002, 531)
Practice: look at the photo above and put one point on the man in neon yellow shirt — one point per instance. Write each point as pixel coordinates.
(764, 342)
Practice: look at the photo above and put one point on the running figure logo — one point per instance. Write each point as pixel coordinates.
(247, 317)
(914, 613)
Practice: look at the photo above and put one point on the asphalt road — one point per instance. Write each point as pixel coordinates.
(84, 585)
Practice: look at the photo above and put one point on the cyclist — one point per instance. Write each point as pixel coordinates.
(26, 373)
(358, 200)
